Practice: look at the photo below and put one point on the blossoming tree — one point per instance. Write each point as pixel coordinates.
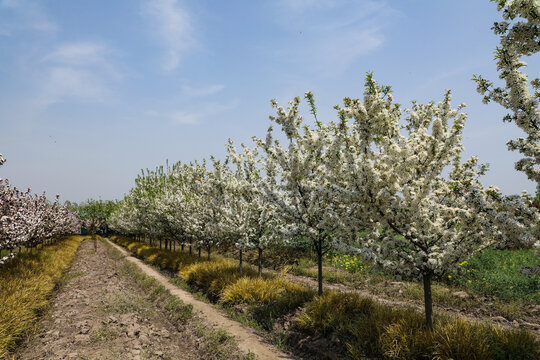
(518, 39)
(301, 208)
(419, 223)
(249, 213)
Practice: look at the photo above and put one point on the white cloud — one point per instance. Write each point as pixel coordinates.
(192, 117)
(184, 117)
(174, 28)
(26, 14)
(76, 54)
(328, 35)
(76, 72)
(202, 91)
(63, 84)
(303, 5)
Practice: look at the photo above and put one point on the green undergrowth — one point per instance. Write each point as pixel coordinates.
(501, 273)
(361, 326)
(26, 284)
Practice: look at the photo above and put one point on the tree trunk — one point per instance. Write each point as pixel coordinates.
(260, 262)
(182, 247)
(190, 247)
(428, 301)
(208, 249)
(199, 252)
(319, 266)
(240, 264)
(160, 243)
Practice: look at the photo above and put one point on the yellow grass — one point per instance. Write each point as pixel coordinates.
(25, 287)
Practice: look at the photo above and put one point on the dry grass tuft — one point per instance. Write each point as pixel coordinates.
(25, 286)
(260, 291)
(377, 330)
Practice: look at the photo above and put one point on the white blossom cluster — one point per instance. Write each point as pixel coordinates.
(28, 219)
(418, 222)
(370, 183)
(518, 39)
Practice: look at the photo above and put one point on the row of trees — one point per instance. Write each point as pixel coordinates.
(370, 182)
(28, 219)
(93, 213)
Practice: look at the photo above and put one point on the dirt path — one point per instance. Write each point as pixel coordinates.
(532, 325)
(248, 340)
(102, 312)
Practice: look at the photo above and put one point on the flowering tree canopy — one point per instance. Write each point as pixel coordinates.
(518, 39)
(28, 219)
(418, 222)
(249, 213)
(300, 205)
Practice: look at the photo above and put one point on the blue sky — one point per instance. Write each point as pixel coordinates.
(93, 91)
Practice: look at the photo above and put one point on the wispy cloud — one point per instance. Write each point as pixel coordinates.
(80, 53)
(25, 14)
(193, 117)
(355, 28)
(76, 72)
(174, 27)
(203, 90)
(303, 5)
(62, 84)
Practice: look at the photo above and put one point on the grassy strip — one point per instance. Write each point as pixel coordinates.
(369, 328)
(494, 274)
(358, 325)
(217, 342)
(221, 280)
(498, 273)
(26, 283)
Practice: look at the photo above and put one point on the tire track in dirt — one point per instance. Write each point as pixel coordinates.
(248, 340)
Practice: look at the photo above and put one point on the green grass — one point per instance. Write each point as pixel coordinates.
(350, 263)
(496, 273)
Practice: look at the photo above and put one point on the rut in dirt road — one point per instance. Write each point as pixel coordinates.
(102, 312)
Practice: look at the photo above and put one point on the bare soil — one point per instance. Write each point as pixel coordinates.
(101, 312)
(248, 340)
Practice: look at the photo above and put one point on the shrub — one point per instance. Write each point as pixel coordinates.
(333, 311)
(261, 291)
(378, 330)
(164, 259)
(214, 276)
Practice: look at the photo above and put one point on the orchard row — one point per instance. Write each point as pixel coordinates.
(369, 183)
(28, 219)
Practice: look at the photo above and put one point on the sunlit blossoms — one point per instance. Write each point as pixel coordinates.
(418, 222)
(28, 219)
(518, 39)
